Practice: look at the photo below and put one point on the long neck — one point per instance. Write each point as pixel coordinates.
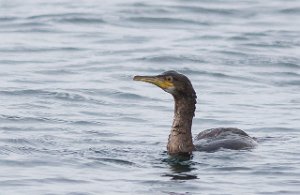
(180, 138)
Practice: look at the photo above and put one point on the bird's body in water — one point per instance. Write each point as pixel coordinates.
(180, 138)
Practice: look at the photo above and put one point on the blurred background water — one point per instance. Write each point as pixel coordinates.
(72, 120)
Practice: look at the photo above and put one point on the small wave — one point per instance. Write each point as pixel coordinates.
(101, 133)
(17, 141)
(25, 182)
(172, 59)
(66, 96)
(131, 119)
(26, 119)
(229, 169)
(49, 16)
(204, 10)
(260, 60)
(74, 18)
(288, 64)
(38, 50)
(165, 21)
(25, 92)
(143, 8)
(81, 20)
(216, 75)
(16, 62)
(209, 121)
(28, 129)
(254, 34)
(275, 129)
(21, 150)
(32, 24)
(56, 72)
(114, 161)
(294, 83)
(81, 122)
(238, 38)
(233, 53)
(275, 44)
(289, 11)
(117, 94)
(129, 96)
(284, 74)
(8, 19)
(30, 119)
(43, 29)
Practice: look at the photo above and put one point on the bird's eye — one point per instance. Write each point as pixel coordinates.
(169, 78)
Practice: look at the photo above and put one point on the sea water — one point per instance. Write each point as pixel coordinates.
(73, 122)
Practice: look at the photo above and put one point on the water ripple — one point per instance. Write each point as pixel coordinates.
(165, 21)
(74, 122)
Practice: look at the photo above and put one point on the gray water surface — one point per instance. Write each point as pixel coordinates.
(73, 122)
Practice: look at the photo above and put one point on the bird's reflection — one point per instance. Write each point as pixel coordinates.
(181, 167)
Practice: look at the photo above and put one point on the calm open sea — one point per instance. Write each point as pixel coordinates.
(73, 122)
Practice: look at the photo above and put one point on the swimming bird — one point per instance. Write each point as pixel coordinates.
(180, 139)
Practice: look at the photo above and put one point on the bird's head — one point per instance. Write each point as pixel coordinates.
(172, 82)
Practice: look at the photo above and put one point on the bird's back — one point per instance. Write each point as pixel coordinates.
(229, 138)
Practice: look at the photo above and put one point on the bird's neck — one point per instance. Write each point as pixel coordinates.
(180, 138)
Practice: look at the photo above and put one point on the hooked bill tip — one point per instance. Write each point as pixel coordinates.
(136, 78)
(144, 78)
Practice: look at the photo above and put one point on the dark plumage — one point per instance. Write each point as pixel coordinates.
(180, 138)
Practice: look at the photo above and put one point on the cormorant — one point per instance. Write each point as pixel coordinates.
(180, 138)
